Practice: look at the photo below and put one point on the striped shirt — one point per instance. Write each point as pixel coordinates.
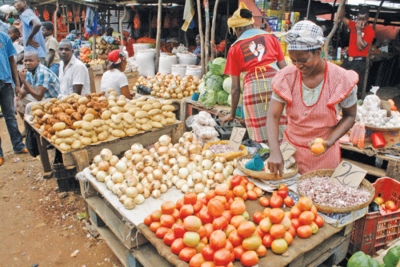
(46, 78)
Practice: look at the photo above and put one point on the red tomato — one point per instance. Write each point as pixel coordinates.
(223, 257)
(169, 238)
(258, 216)
(177, 246)
(179, 230)
(282, 193)
(208, 253)
(236, 180)
(187, 253)
(289, 202)
(276, 201)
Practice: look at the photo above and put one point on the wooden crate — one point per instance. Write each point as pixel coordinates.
(132, 77)
(393, 163)
(98, 69)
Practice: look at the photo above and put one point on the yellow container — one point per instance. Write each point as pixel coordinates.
(283, 46)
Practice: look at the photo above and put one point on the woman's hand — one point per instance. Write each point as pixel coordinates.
(227, 118)
(326, 145)
(276, 163)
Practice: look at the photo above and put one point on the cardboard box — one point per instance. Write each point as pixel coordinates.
(98, 69)
(342, 219)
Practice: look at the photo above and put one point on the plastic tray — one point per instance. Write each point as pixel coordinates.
(374, 231)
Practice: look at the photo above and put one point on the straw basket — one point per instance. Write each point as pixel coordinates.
(382, 129)
(328, 209)
(228, 155)
(262, 175)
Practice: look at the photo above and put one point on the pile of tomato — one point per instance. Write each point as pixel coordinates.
(216, 230)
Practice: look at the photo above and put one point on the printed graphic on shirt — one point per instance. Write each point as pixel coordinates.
(254, 49)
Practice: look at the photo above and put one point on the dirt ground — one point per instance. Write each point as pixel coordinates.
(39, 225)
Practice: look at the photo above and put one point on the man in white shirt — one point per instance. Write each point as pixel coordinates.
(74, 76)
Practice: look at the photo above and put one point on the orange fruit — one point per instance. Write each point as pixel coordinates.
(288, 238)
(318, 146)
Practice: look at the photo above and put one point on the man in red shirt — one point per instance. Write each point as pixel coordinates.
(361, 37)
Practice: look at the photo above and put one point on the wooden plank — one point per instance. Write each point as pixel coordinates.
(81, 160)
(361, 151)
(120, 145)
(393, 169)
(126, 233)
(378, 172)
(87, 190)
(148, 256)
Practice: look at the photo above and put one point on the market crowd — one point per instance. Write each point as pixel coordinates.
(301, 101)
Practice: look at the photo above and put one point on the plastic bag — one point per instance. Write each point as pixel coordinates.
(30, 142)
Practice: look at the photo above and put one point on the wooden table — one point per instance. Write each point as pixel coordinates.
(117, 146)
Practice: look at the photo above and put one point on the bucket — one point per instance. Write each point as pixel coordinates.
(193, 70)
(178, 69)
(166, 62)
(137, 47)
(187, 58)
(145, 62)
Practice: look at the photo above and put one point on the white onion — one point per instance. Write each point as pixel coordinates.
(129, 203)
(181, 141)
(157, 174)
(175, 169)
(140, 188)
(146, 193)
(199, 168)
(131, 181)
(172, 161)
(115, 188)
(198, 159)
(101, 176)
(185, 188)
(155, 185)
(166, 168)
(164, 140)
(230, 169)
(198, 188)
(206, 164)
(150, 177)
(163, 188)
(197, 177)
(108, 178)
(122, 198)
(210, 174)
(193, 149)
(137, 148)
(183, 173)
(188, 136)
(139, 199)
(147, 160)
(201, 195)
(117, 177)
(106, 154)
(123, 187)
(112, 170)
(218, 167)
(173, 152)
(148, 170)
(175, 179)
(219, 177)
(207, 154)
(225, 172)
(164, 159)
(180, 183)
(94, 171)
(139, 166)
(121, 166)
(97, 159)
(114, 159)
(110, 185)
(128, 173)
(152, 150)
(124, 159)
(190, 181)
(128, 154)
(162, 150)
(169, 183)
(131, 192)
(92, 166)
(156, 193)
(183, 161)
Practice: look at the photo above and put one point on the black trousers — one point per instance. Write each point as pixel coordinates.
(359, 67)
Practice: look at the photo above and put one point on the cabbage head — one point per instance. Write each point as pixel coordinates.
(217, 66)
(214, 83)
(207, 75)
(208, 98)
(227, 84)
(222, 98)
(201, 87)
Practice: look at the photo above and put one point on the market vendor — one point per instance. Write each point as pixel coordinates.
(311, 90)
(74, 76)
(253, 51)
(114, 78)
(197, 51)
(361, 37)
(128, 42)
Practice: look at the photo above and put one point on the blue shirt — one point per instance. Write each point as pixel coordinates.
(46, 78)
(3, 27)
(6, 50)
(26, 17)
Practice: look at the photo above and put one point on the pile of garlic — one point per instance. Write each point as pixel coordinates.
(203, 128)
(142, 172)
(370, 113)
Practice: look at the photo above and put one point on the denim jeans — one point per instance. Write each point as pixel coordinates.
(7, 107)
(54, 68)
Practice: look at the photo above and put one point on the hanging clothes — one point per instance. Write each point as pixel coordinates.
(92, 20)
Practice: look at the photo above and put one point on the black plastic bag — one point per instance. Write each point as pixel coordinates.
(31, 142)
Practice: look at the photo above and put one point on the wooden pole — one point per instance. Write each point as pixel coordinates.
(158, 38)
(121, 32)
(55, 20)
(73, 14)
(214, 21)
(368, 61)
(226, 34)
(207, 41)
(335, 26)
(203, 68)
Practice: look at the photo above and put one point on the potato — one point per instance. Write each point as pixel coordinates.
(111, 103)
(53, 138)
(103, 136)
(108, 122)
(79, 131)
(156, 124)
(146, 127)
(118, 133)
(86, 140)
(128, 118)
(76, 135)
(99, 129)
(87, 126)
(69, 140)
(59, 141)
(170, 120)
(83, 100)
(127, 125)
(59, 126)
(66, 133)
(168, 108)
(142, 98)
(38, 113)
(141, 114)
(36, 107)
(65, 147)
(97, 122)
(128, 107)
(88, 117)
(116, 126)
(106, 115)
(133, 111)
(142, 121)
(157, 118)
(141, 103)
(76, 144)
(131, 131)
(157, 105)
(121, 102)
(164, 121)
(151, 100)
(147, 107)
(116, 110)
(154, 112)
(94, 139)
(87, 133)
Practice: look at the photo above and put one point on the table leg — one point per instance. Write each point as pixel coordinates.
(44, 156)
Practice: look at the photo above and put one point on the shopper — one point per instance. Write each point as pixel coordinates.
(52, 58)
(115, 78)
(253, 51)
(15, 35)
(361, 37)
(74, 76)
(8, 80)
(32, 36)
(311, 90)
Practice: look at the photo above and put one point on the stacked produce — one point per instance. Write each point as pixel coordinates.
(216, 230)
(169, 86)
(371, 113)
(77, 121)
(203, 128)
(85, 54)
(386, 206)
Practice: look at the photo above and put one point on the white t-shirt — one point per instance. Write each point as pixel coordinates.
(74, 73)
(113, 79)
(19, 48)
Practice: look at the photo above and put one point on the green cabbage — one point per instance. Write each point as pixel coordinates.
(207, 75)
(217, 66)
(201, 87)
(214, 83)
(222, 98)
(208, 98)
(227, 85)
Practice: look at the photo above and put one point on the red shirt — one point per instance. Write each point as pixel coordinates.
(256, 51)
(368, 35)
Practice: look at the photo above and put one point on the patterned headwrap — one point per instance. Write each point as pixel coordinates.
(237, 21)
(305, 35)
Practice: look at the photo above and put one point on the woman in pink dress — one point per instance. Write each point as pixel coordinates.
(313, 91)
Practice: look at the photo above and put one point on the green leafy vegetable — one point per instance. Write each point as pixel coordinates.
(222, 98)
(217, 66)
(214, 83)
